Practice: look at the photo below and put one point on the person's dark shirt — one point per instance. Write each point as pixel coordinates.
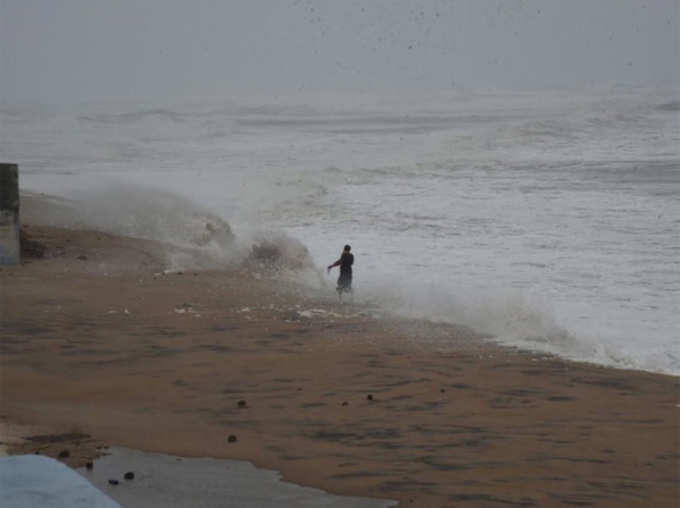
(346, 262)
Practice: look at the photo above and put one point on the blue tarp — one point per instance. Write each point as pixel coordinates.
(28, 481)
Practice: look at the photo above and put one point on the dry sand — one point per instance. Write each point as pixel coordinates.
(105, 350)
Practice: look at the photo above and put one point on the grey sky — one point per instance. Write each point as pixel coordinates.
(75, 50)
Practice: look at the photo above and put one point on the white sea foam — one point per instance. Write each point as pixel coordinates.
(546, 219)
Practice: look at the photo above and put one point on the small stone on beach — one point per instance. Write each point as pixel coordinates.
(129, 475)
(345, 403)
(231, 438)
(369, 397)
(64, 454)
(113, 482)
(242, 403)
(89, 466)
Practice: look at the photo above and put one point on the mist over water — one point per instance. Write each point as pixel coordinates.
(549, 220)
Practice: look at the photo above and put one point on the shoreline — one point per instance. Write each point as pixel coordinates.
(334, 398)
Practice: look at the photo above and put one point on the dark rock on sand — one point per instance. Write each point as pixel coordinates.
(242, 403)
(64, 454)
(113, 482)
(231, 438)
(89, 466)
(129, 475)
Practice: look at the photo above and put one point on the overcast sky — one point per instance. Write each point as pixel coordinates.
(57, 51)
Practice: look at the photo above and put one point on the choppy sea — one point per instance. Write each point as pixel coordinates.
(549, 219)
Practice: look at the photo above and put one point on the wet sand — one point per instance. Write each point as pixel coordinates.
(98, 347)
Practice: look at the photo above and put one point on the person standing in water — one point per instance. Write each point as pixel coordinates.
(345, 263)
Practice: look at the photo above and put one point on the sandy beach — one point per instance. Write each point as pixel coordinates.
(100, 346)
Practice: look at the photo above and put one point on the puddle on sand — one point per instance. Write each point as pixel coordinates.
(167, 481)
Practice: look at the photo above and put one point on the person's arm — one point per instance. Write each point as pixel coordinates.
(337, 263)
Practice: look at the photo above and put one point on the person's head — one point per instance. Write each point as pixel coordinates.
(347, 248)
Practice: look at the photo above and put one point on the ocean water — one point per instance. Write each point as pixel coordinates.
(550, 220)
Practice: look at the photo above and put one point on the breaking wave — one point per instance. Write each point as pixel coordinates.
(134, 116)
(191, 236)
(511, 318)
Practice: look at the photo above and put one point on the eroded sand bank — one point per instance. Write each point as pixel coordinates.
(99, 347)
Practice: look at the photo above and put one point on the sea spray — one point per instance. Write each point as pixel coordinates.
(192, 236)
